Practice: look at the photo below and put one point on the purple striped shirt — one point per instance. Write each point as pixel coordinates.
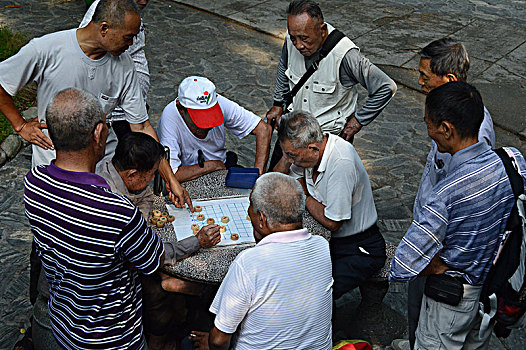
(88, 239)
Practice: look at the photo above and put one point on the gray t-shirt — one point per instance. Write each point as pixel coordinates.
(56, 62)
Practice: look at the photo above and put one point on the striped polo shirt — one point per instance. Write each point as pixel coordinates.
(463, 219)
(278, 295)
(92, 242)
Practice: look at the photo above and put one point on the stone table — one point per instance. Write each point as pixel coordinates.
(211, 265)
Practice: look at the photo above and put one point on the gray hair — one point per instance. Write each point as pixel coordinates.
(298, 7)
(114, 11)
(279, 197)
(71, 118)
(300, 128)
(447, 56)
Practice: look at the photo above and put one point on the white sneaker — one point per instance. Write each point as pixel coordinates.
(401, 344)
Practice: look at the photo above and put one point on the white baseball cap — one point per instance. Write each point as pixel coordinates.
(198, 96)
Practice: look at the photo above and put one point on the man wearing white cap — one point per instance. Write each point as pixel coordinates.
(193, 127)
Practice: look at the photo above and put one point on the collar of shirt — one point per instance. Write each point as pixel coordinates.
(468, 153)
(286, 236)
(329, 146)
(77, 177)
(120, 186)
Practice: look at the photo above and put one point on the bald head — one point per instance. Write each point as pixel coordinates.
(71, 118)
(113, 12)
(279, 197)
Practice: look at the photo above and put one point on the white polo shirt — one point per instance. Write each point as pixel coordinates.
(278, 295)
(184, 146)
(342, 186)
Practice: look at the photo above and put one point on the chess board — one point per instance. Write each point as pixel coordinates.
(236, 208)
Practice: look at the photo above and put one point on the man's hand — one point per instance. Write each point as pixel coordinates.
(178, 194)
(200, 340)
(351, 128)
(436, 266)
(32, 131)
(209, 236)
(274, 113)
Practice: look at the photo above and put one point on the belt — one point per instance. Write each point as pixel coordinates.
(358, 237)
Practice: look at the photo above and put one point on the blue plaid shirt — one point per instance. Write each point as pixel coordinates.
(464, 218)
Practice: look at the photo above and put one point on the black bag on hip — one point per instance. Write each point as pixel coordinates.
(444, 288)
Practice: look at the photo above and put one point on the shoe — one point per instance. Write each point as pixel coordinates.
(401, 344)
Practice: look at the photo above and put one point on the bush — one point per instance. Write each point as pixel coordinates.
(10, 43)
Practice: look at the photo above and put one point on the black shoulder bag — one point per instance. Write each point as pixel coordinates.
(334, 38)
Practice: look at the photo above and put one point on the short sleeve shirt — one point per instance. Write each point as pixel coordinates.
(56, 62)
(342, 186)
(87, 238)
(263, 298)
(184, 146)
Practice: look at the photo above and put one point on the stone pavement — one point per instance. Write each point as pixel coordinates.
(391, 32)
(242, 62)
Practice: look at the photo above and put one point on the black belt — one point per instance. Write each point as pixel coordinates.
(358, 237)
(460, 279)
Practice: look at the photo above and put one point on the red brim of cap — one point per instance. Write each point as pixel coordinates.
(207, 118)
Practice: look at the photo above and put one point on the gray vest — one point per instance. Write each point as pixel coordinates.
(323, 95)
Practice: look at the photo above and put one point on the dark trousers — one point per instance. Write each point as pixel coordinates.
(351, 266)
(415, 293)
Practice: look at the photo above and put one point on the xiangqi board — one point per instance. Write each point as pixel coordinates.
(236, 209)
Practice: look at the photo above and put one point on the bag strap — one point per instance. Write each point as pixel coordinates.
(511, 166)
(332, 39)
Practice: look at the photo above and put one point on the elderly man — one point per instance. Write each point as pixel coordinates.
(339, 197)
(455, 235)
(442, 61)
(87, 236)
(92, 59)
(262, 299)
(330, 94)
(136, 51)
(193, 127)
(129, 172)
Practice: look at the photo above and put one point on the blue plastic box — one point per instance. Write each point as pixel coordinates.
(242, 177)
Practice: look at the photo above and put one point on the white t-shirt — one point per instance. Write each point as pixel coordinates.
(56, 62)
(184, 146)
(342, 186)
(136, 51)
(278, 295)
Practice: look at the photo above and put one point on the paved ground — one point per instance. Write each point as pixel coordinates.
(242, 61)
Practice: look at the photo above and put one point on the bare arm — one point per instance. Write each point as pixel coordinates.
(317, 210)
(219, 340)
(190, 172)
(263, 134)
(177, 194)
(30, 131)
(283, 166)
